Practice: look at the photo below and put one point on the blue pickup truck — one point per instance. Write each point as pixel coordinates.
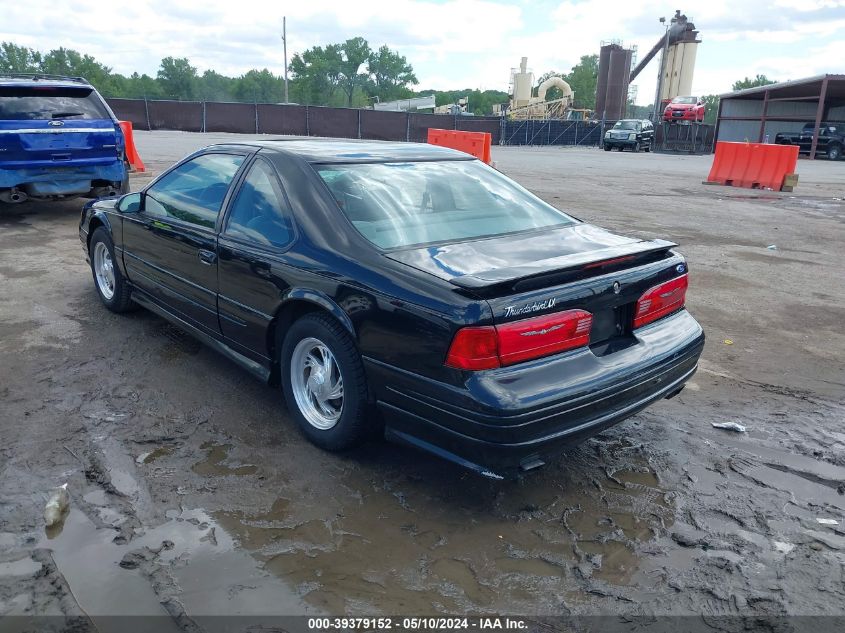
(58, 139)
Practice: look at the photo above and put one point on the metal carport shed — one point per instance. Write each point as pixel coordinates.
(755, 113)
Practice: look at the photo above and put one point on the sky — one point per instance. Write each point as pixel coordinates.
(452, 44)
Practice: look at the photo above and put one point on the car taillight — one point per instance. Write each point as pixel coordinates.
(490, 346)
(658, 301)
(474, 348)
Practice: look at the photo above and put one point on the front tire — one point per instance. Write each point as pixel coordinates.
(324, 383)
(607, 147)
(636, 148)
(111, 285)
(834, 152)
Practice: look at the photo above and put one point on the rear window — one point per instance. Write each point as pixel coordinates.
(403, 204)
(46, 102)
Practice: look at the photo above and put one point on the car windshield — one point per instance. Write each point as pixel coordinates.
(49, 102)
(627, 125)
(687, 100)
(402, 204)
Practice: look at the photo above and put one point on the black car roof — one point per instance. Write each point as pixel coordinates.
(352, 151)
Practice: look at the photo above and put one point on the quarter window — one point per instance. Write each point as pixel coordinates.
(260, 212)
(194, 191)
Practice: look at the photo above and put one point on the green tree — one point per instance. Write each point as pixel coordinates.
(390, 74)
(354, 53)
(141, 87)
(65, 61)
(315, 74)
(177, 78)
(18, 59)
(212, 86)
(478, 102)
(711, 108)
(759, 80)
(639, 112)
(259, 86)
(583, 78)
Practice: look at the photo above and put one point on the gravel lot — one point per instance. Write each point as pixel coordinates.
(193, 494)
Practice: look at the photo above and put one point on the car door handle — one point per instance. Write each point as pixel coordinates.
(207, 257)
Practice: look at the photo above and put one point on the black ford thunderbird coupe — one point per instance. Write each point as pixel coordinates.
(414, 281)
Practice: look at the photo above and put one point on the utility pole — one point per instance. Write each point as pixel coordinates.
(658, 110)
(285, 44)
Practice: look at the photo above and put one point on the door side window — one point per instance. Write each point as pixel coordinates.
(260, 213)
(194, 191)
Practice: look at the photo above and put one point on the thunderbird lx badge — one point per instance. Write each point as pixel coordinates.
(537, 306)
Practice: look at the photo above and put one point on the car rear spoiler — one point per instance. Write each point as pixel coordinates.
(624, 255)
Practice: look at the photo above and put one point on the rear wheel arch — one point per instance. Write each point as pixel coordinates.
(297, 305)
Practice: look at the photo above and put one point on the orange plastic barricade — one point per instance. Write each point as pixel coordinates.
(752, 165)
(132, 156)
(474, 143)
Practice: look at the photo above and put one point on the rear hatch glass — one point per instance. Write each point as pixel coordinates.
(40, 103)
(50, 126)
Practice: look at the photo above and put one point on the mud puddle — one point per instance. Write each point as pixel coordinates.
(146, 576)
(404, 550)
(216, 462)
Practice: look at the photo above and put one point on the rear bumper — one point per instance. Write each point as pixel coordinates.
(504, 420)
(61, 179)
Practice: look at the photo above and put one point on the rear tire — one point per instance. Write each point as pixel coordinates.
(112, 287)
(319, 360)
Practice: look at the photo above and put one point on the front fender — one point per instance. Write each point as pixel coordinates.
(99, 213)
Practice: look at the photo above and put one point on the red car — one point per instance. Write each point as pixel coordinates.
(684, 109)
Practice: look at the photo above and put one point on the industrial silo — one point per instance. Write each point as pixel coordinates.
(619, 68)
(601, 83)
(678, 68)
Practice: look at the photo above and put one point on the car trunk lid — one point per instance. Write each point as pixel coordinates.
(575, 267)
(513, 262)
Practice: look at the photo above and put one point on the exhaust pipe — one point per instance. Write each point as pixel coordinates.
(13, 196)
(102, 192)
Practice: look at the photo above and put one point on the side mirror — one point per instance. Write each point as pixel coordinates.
(130, 203)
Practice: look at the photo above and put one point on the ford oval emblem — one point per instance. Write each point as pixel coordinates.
(681, 268)
(56, 123)
(617, 287)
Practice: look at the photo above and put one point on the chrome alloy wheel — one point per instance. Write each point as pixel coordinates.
(317, 383)
(104, 270)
